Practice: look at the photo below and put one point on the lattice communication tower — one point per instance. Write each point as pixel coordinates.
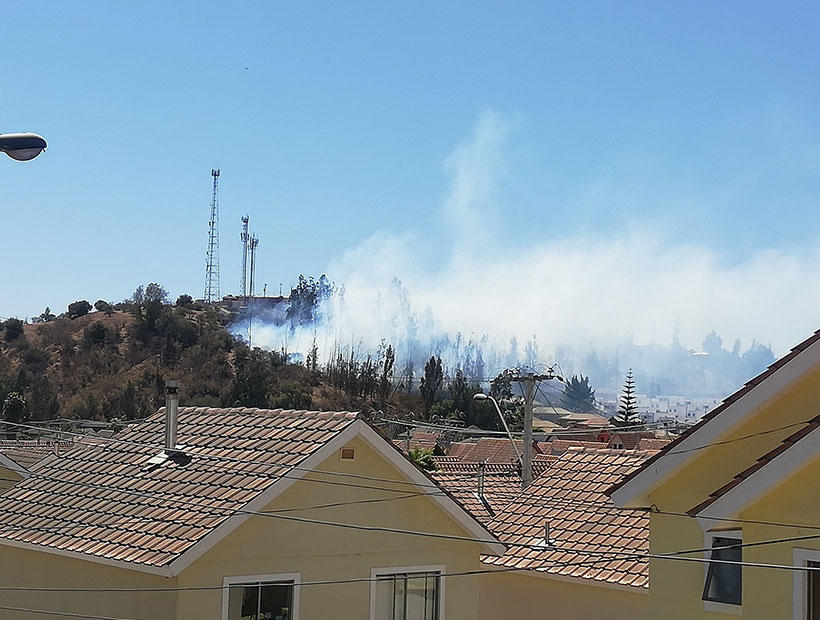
(212, 260)
(244, 236)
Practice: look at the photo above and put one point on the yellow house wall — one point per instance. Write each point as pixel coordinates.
(767, 593)
(522, 596)
(24, 568)
(265, 545)
(8, 478)
(714, 466)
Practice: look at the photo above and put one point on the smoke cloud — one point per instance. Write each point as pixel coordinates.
(583, 292)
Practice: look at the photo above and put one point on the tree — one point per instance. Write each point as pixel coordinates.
(14, 328)
(386, 375)
(15, 411)
(423, 458)
(628, 410)
(103, 306)
(578, 395)
(184, 301)
(78, 309)
(431, 381)
(47, 315)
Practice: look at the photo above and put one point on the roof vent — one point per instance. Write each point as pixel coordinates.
(348, 454)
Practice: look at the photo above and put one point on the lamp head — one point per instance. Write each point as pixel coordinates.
(480, 397)
(22, 146)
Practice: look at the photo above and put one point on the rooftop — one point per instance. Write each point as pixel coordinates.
(585, 528)
(100, 500)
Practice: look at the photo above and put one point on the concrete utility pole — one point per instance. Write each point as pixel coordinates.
(528, 380)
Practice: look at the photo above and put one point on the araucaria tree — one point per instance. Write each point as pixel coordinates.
(578, 395)
(628, 410)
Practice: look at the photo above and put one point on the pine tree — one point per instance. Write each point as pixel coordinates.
(431, 382)
(628, 411)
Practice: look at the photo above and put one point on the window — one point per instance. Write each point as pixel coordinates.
(408, 594)
(807, 585)
(265, 597)
(723, 581)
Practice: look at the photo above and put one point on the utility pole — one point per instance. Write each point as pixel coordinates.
(528, 381)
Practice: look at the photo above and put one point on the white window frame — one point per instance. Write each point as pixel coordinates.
(375, 573)
(235, 580)
(716, 606)
(802, 557)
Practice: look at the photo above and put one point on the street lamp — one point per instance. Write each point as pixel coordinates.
(480, 398)
(22, 146)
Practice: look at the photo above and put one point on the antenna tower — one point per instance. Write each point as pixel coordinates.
(253, 242)
(245, 237)
(212, 260)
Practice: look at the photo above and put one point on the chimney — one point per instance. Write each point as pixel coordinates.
(481, 469)
(171, 410)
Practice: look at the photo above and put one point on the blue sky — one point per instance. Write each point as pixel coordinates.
(690, 126)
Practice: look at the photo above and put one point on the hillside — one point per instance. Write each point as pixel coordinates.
(113, 365)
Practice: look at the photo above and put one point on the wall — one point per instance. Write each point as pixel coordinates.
(8, 478)
(264, 545)
(20, 567)
(523, 596)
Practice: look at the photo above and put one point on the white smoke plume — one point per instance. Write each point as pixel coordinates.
(636, 285)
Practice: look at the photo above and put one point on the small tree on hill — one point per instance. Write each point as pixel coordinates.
(14, 328)
(578, 395)
(78, 309)
(628, 411)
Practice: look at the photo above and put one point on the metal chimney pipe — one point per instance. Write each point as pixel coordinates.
(171, 411)
(481, 469)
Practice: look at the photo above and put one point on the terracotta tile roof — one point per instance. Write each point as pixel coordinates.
(629, 439)
(489, 450)
(27, 453)
(500, 488)
(405, 445)
(653, 444)
(764, 460)
(460, 448)
(559, 446)
(457, 466)
(99, 500)
(583, 522)
(729, 400)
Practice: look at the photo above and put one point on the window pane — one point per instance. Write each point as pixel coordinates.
(399, 599)
(813, 604)
(431, 606)
(384, 599)
(276, 600)
(416, 594)
(723, 581)
(250, 603)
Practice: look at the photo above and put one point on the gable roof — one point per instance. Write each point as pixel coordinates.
(13, 465)
(791, 454)
(718, 421)
(28, 453)
(100, 502)
(583, 523)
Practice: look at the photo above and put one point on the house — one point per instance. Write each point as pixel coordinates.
(734, 503)
(570, 552)
(239, 513)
